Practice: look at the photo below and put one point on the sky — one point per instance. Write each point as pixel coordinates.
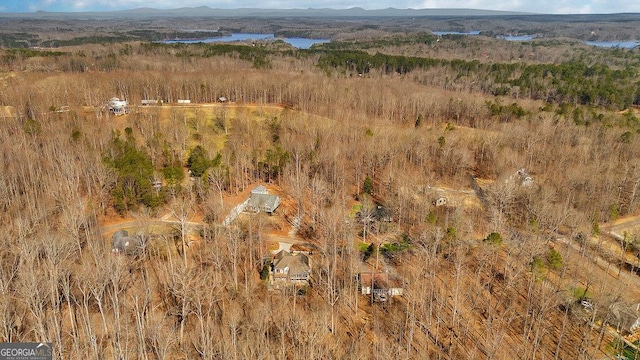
(536, 6)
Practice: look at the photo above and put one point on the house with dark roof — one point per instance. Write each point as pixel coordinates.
(383, 214)
(290, 269)
(261, 200)
(381, 284)
(124, 244)
(626, 317)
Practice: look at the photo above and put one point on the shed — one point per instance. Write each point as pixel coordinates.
(145, 102)
(441, 201)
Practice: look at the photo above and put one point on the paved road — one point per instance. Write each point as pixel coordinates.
(285, 242)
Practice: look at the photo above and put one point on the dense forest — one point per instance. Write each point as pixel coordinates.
(536, 159)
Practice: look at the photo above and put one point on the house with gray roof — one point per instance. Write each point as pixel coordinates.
(625, 317)
(261, 200)
(290, 269)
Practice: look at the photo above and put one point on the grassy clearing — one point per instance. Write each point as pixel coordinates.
(207, 125)
(355, 209)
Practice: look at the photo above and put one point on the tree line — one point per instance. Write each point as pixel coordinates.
(578, 81)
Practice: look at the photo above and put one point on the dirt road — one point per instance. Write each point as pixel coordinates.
(618, 228)
(613, 270)
(192, 226)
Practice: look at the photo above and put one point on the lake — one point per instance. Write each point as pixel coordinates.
(614, 44)
(517, 37)
(298, 43)
(440, 33)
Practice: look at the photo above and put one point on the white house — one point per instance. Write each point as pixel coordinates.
(117, 106)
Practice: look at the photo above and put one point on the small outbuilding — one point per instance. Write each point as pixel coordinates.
(440, 201)
(146, 102)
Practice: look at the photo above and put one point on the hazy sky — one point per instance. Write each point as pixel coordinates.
(537, 6)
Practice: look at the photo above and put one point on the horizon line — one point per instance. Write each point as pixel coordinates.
(356, 8)
(282, 9)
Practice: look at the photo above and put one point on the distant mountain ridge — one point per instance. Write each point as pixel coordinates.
(205, 11)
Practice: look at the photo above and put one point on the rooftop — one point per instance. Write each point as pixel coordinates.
(261, 200)
(294, 262)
